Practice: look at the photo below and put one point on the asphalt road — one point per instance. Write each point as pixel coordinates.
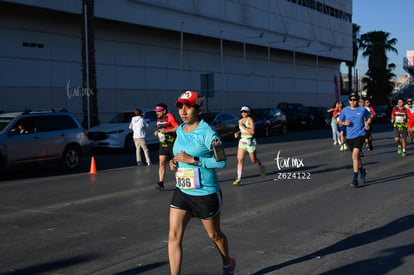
(303, 218)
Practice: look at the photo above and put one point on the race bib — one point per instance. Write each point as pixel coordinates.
(399, 119)
(188, 178)
(161, 137)
(246, 141)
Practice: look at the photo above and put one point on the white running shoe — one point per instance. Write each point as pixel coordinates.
(341, 148)
(335, 143)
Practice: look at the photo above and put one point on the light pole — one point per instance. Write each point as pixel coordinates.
(181, 56)
(317, 65)
(268, 48)
(85, 7)
(244, 45)
(297, 47)
(222, 68)
(294, 62)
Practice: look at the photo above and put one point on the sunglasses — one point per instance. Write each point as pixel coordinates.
(409, 102)
(353, 99)
(243, 112)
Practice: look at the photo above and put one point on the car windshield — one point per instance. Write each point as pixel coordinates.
(297, 108)
(4, 121)
(122, 118)
(260, 112)
(209, 117)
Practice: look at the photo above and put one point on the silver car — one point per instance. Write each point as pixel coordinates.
(116, 133)
(37, 137)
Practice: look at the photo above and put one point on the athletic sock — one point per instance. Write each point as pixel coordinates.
(239, 174)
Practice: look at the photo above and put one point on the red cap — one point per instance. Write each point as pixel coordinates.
(190, 98)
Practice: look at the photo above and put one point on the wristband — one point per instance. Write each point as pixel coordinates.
(196, 161)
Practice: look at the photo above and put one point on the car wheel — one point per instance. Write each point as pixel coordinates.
(267, 130)
(283, 129)
(2, 166)
(129, 144)
(71, 157)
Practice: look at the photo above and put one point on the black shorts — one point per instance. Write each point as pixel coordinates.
(166, 151)
(355, 143)
(203, 207)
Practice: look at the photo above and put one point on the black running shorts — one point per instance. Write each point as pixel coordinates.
(355, 143)
(203, 207)
(166, 151)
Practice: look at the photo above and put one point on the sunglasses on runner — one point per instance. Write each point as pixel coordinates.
(353, 99)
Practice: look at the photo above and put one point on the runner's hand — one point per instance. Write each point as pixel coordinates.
(173, 164)
(184, 157)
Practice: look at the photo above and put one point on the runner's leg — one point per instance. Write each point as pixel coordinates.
(178, 222)
(214, 232)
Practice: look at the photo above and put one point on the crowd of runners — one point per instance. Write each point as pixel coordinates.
(352, 128)
(194, 150)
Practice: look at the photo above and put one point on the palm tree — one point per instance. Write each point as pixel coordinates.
(381, 84)
(355, 46)
(89, 70)
(378, 82)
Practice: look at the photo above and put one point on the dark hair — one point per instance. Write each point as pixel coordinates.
(354, 95)
(138, 112)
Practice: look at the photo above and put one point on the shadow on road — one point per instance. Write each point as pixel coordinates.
(142, 269)
(51, 266)
(394, 257)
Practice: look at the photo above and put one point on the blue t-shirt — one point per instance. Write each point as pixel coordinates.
(197, 143)
(356, 117)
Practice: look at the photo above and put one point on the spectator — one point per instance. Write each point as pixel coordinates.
(336, 137)
(341, 129)
(138, 126)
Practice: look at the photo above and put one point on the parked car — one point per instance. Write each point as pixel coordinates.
(297, 115)
(269, 121)
(36, 137)
(224, 123)
(382, 114)
(320, 115)
(116, 133)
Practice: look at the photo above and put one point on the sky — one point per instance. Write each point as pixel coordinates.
(393, 16)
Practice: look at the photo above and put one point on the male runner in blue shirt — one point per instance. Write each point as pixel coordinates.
(353, 117)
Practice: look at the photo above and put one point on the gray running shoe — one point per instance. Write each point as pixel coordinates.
(354, 183)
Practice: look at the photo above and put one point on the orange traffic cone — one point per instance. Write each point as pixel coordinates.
(93, 166)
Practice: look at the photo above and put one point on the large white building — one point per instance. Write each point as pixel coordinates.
(256, 52)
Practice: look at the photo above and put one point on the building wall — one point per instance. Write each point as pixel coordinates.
(140, 61)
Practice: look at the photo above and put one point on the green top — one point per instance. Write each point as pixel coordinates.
(243, 130)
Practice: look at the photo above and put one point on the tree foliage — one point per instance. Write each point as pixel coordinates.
(379, 77)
